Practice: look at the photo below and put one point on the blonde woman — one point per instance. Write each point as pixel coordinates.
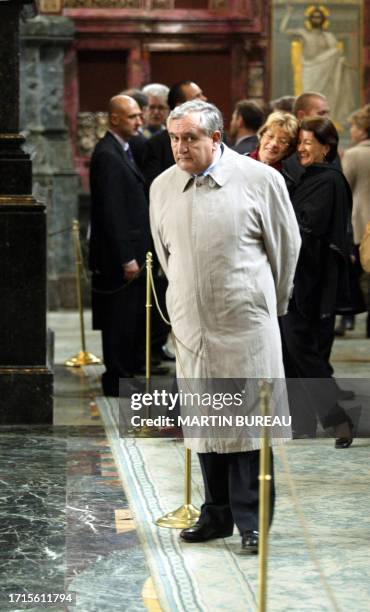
(277, 139)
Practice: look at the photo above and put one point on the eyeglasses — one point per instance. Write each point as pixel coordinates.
(159, 107)
(281, 142)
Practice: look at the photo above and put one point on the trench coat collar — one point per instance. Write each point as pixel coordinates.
(220, 174)
(363, 143)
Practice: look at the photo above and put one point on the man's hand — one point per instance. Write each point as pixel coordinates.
(131, 270)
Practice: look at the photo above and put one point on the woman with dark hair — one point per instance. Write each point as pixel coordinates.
(322, 202)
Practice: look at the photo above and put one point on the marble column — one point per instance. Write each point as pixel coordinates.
(43, 44)
(26, 380)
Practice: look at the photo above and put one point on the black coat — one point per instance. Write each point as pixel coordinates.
(296, 170)
(322, 202)
(119, 211)
(157, 156)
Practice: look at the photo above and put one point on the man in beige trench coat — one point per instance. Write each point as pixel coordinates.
(227, 238)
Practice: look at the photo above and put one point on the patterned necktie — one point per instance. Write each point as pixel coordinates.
(130, 156)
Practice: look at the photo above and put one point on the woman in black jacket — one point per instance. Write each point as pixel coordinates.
(322, 203)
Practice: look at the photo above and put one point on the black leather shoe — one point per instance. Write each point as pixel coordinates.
(201, 533)
(249, 542)
(345, 442)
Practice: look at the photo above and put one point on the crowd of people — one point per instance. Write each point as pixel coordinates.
(257, 237)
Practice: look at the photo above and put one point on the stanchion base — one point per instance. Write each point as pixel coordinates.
(81, 359)
(185, 516)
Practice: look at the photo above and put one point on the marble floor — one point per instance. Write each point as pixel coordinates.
(319, 554)
(66, 525)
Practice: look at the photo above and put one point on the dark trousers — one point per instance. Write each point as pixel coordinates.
(231, 490)
(326, 333)
(315, 393)
(123, 334)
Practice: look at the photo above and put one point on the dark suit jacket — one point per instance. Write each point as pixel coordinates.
(137, 145)
(119, 211)
(158, 156)
(247, 145)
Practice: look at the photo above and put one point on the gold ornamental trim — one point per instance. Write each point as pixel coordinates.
(313, 9)
(24, 370)
(103, 4)
(17, 199)
(11, 136)
(51, 7)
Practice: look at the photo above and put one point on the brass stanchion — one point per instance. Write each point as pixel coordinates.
(145, 431)
(264, 503)
(186, 515)
(83, 357)
(148, 311)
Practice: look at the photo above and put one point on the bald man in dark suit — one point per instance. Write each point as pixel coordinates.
(120, 238)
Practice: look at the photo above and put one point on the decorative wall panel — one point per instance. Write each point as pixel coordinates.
(313, 53)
